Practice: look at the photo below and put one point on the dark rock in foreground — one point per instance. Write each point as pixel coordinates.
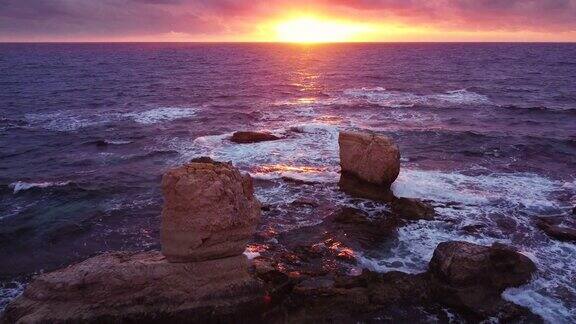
(558, 227)
(252, 137)
(139, 287)
(472, 277)
(465, 277)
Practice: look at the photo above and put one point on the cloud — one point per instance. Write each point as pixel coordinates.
(79, 19)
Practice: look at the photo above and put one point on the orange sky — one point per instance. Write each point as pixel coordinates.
(282, 20)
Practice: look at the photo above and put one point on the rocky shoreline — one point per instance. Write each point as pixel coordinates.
(308, 274)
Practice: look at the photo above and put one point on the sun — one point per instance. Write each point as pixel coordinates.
(317, 30)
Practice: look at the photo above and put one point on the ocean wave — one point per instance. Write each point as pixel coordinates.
(73, 120)
(106, 142)
(527, 190)
(8, 292)
(23, 186)
(161, 114)
(399, 99)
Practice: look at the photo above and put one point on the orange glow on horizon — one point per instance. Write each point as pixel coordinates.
(312, 29)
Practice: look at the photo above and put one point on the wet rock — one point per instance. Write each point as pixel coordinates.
(370, 157)
(252, 137)
(344, 231)
(209, 211)
(473, 229)
(139, 287)
(412, 209)
(555, 228)
(355, 187)
(472, 277)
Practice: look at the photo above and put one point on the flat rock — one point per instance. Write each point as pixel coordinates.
(370, 157)
(139, 287)
(252, 137)
(210, 211)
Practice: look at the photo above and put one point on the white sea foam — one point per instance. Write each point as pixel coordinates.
(161, 114)
(307, 153)
(73, 120)
(66, 121)
(8, 292)
(528, 190)
(22, 186)
(398, 99)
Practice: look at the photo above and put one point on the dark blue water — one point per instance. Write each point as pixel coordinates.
(86, 132)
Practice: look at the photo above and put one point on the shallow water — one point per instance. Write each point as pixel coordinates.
(487, 132)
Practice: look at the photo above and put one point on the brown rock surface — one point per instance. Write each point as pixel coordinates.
(412, 209)
(370, 157)
(138, 287)
(252, 137)
(209, 212)
(472, 277)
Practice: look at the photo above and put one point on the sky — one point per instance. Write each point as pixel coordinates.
(287, 20)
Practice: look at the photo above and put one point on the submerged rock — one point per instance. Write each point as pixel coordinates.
(472, 277)
(139, 287)
(412, 209)
(209, 212)
(252, 137)
(560, 228)
(370, 157)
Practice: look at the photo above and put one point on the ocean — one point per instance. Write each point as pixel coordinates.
(487, 132)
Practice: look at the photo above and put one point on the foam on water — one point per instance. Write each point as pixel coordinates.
(398, 99)
(527, 190)
(161, 114)
(23, 186)
(73, 120)
(305, 152)
(9, 291)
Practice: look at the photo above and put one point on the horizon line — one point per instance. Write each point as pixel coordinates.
(287, 43)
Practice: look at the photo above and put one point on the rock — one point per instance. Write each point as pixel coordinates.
(355, 187)
(209, 212)
(472, 277)
(412, 209)
(370, 157)
(139, 287)
(343, 232)
(554, 228)
(252, 137)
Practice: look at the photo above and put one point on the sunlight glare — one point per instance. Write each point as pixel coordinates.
(315, 30)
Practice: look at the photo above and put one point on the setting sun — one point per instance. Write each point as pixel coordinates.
(315, 30)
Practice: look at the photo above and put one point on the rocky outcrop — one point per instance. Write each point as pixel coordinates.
(472, 277)
(412, 209)
(252, 137)
(558, 227)
(138, 287)
(209, 211)
(466, 278)
(370, 157)
(201, 274)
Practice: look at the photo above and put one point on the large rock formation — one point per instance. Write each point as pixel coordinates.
(209, 211)
(138, 287)
(370, 157)
(472, 277)
(201, 275)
